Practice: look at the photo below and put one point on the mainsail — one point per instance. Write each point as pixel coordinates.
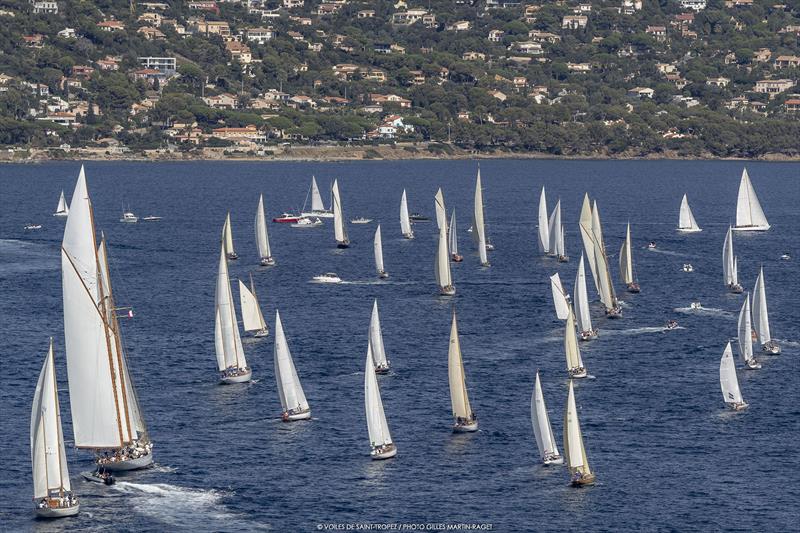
(339, 228)
(544, 234)
(453, 237)
(441, 211)
(262, 236)
(405, 221)
(749, 214)
(554, 229)
(571, 349)
(727, 378)
(760, 314)
(62, 209)
(478, 228)
(729, 261)
(745, 330)
(376, 419)
(227, 341)
(316, 198)
(573, 440)
(378, 246)
(459, 399)
(626, 258)
(542, 429)
(559, 296)
(289, 388)
(375, 344)
(582, 300)
(588, 238)
(252, 318)
(227, 236)
(686, 221)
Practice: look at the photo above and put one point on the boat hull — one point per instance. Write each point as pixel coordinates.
(553, 461)
(61, 215)
(381, 369)
(737, 406)
(89, 476)
(579, 373)
(344, 244)
(584, 481)
(752, 365)
(614, 313)
(467, 427)
(131, 464)
(261, 333)
(457, 258)
(305, 415)
(447, 291)
(750, 228)
(267, 261)
(771, 349)
(563, 259)
(233, 256)
(408, 236)
(318, 214)
(383, 275)
(242, 378)
(57, 512)
(387, 454)
(588, 335)
(634, 288)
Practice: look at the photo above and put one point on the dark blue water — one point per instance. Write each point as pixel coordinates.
(666, 453)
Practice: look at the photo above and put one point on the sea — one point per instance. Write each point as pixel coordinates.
(667, 454)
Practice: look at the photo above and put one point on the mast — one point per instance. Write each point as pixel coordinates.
(459, 399)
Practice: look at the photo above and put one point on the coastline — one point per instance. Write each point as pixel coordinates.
(338, 153)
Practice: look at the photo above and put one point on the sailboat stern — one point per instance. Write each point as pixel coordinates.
(293, 415)
(267, 261)
(582, 480)
(553, 459)
(771, 348)
(448, 290)
(385, 451)
(235, 375)
(383, 274)
(634, 287)
(343, 244)
(588, 335)
(58, 507)
(468, 425)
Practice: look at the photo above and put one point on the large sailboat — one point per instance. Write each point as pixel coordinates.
(686, 221)
(106, 416)
(262, 236)
(581, 300)
(575, 367)
(592, 234)
(252, 318)
(441, 266)
(745, 330)
(293, 399)
(556, 234)
(464, 418)
(729, 265)
(561, 246)
(339, 222)
(453, 239)
(761, 317)
(577, 462)
(543, 233)
(227, 239)
(231, 361)
(478, 226)
(52, 490)
(317, 206)
(729, 382)
(626, 270)
(380, 440)
(542, 429)
(405, 221)
(378, 245)
(375, 343)
(749, 215)
(62, 209)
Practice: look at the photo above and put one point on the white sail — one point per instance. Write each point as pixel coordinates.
(94, 380)
(554, 229)
(760, 314)
(453, 237)
(376, 338)
(459, 399)
(376, 419)
(227, 341)
(749, 214)
(559, 297)
(727, 377)
(571, 349)
(316, 198)
(745, 330)
(581, 299)
(441, 211)
(227, 236)
(339, 228)
(62, 208)
(405, 221)
(544, 234)
(573, 440)
(604, 283)
(729, 261)
(626, 258)
(262, 236)
(252, 318)
(542, 429)
(48, 459)
(479, 230)
(378, 246)
(289, 388)
(588, 238)
(686, 221)
(560, 247)
(442, 262)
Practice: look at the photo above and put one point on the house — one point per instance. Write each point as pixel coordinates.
(382, 99)
(109, 63)
(301, 100)
(529, 15)
(738, 3)
(676, 80)
(787, 62)
(792, 105)
(149, 75)
(773, 87)
(543, 37)
(61, 117)
(153, 19)
(67, 33)
(203, 5)
(582, 9)
(792, 28)
(407, 18)
(461, 25)
(33, 41)
(295, 35)
(418, 77)
(738, 103)
(688, 101)
(248, 133)
(659, 33)
(629, 7)
(222, 29)
(375, 74)
(762, 55)
(275, 96)
(579, 67)
(45, 8)
(497, 94)
(718, 82)
(291, 4)
(345, 71)
(82, 71)
(574, 22)
(641, 92)
(111, 25)
(694, 5)
(495, 36)
(520, 82)
(260, 35)
(151, 34)
(222, 101)
(382, 48)
(366, 14)
(682, 20)
(166, 65)
(180, 29)
(429, 20)
(666, 68)
(473, 56)
(239, 52)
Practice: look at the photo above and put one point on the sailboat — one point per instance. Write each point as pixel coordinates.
(252, 318)
(585, 225)
(729, 382)
(553, 227)
(375, 344)
(745, 331)
(577, 462)
(378, 245)
(441, 266)
(231, 361)
(62, 209)
(626, 271)
(405, 222)
(749, 215)
(317, 206)
(52, 490)
(293, 399)
(465, 419)
(542, 430)
(729, 265)
(575, 367)
(761, 317)
(479, 229)
(262, 236)
(453, 240)
(592, 234)
(561, 248)
(544, 233)
(380, 440)
(560, 297)
(339, 225)
(227, 239)
(686, 221)
(106, 415)
(581, 299)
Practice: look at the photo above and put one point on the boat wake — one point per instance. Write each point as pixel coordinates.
(708, 311)
(163, 469)
(379, 282)
(636, 331)
(179, 506)
(667, 252)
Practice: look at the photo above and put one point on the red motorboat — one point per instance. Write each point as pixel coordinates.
(286, 218)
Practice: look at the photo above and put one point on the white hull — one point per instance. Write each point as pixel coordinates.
(771, 350)
(408, 236)
(588, 335)
(752, 365)
(447, 291)
(750, 228)
(556, 461)
(318, 214)
(297, 416)
(267, 261)
(737, 406)
(383, 275)
(131, 464)
(261, 333)
(388, 454)
(465, 428)
(59, 512)
(61, 214)
(244, 378)
(577, 374)
(689, 230)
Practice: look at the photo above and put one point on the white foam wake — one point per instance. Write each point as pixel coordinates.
(708, 311)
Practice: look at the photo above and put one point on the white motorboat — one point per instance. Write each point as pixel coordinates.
(360, 220)
(129, 218)
(328, 277)
(651, 245)
(786, 257)
(293, 399)
(63, 209)
(686, 221)
(464, 418)
(687, 267)
(695, 305)
(99, 476)
(307, 223)
(542, 430)
(729, 382)
(31, 227)
(317, 206)
(671, 324)
(749, 214)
